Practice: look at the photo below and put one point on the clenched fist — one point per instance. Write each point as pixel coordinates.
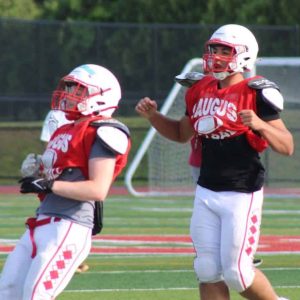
(146, 107)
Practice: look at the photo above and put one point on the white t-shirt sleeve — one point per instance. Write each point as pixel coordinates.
(53, 120)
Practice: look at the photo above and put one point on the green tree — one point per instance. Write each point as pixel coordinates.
(84, 10)
(267, 12)
(25, 9)
(254, 12)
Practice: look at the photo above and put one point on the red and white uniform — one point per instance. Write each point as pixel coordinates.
(225, 224)
(53, 120)
(214, 112)
(59, 239)
(70, 146)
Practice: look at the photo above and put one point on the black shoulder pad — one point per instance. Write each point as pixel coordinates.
(113, 123)
(262, 83)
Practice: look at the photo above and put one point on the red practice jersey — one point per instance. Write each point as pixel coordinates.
(214, 111)
(70, 147)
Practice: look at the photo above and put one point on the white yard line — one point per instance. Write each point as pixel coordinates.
(172, 271)
(161, 289)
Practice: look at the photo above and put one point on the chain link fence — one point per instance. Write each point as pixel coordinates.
(145, 58)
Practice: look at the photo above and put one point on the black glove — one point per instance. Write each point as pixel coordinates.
(35, 185)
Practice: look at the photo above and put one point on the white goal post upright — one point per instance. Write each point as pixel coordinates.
(168, 169)
(193, 63)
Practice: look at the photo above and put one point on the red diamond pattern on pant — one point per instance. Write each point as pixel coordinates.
(254, 219)
(48, 285)
(67, 254)
(251, 240)
(253, 230)
(59, 265)
(54, 274)
(249, 250)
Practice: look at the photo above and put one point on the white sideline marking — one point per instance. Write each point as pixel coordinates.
(279, 269)
(282, 196)
(138, 271)
(173, 271)
(161, 289)
(165, 209)
(131, 290)
(280, 212)
(178, 209)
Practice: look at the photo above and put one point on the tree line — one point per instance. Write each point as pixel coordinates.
(251, 12)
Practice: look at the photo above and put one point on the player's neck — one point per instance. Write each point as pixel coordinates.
(83, 118)
(231, 80)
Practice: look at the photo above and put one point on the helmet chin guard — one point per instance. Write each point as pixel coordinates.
(87, 90)
(243, 56)
(222, 75)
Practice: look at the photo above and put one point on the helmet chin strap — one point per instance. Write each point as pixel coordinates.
(223, 75)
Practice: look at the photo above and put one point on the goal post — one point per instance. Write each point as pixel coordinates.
(168, 170)
(167, 162)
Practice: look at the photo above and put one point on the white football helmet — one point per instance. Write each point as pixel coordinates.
(87, 90)
(244, 51)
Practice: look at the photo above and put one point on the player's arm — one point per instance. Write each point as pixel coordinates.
(101, 171)
(176, 130)
(278, 136)
(267, 120)
(110, 142)
(274, 131)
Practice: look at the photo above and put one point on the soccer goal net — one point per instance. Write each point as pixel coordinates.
(166, 161)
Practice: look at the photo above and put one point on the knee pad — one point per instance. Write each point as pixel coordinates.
(239, 280)
(207, 270)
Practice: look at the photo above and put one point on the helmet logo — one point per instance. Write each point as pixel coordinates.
(89, 70)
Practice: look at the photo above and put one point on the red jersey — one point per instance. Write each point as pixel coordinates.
(230, 158)
(214, 112)
(195, 157)
(70, 147)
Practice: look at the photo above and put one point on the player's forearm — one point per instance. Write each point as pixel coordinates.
(279, 139)
(81, 190)
(167, 127)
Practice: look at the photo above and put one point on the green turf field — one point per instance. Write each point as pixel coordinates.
(149, 276)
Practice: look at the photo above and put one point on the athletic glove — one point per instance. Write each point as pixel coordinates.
(35, 185)
(31, 165)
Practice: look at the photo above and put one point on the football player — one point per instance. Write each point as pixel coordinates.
(32, 163)
(237, 119)
(79, 165)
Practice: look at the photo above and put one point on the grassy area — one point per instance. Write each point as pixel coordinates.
(19, 139)
(161, 277)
